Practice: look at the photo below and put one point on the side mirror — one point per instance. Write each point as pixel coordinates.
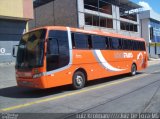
(15, 50)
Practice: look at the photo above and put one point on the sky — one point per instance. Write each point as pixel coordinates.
(149, 4)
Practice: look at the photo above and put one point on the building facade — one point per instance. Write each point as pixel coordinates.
(14, 16)
(150, 24)
(105, 15)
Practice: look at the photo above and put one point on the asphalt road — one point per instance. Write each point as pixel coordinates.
(120, 94)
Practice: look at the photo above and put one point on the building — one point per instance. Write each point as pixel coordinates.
(150, 24)
(106, 15)
(14, 16)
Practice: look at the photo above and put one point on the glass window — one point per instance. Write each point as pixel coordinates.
(31, 50)
(129, 27)
(91, 5)
(81, 40)
(57, 50)
(107, 43)
(115, 43)
(125, 44)
(95, 21)
(105, 7)
(99, 42)
(109, 23)
(88, 19)
(103, 22)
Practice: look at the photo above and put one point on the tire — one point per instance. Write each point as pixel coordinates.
(133, 70)
(79, 80)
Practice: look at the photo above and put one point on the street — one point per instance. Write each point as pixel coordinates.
(119, 94)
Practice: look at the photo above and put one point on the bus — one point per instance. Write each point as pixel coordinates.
(54, 56)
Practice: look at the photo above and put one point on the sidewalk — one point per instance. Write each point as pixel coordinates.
(153, 61)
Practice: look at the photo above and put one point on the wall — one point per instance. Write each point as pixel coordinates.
(14, 15)
(22, 9)
(59, 13)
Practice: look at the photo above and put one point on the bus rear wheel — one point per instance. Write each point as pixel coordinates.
(79, 80)
(133, 70)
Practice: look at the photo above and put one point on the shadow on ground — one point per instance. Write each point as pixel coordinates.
(17, 92)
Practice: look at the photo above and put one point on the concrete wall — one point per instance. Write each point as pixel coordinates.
(22, 9)
(14, 15)
(65, 12)
(59, 13)
(145, 29)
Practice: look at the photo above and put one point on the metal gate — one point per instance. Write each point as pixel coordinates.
(10, 34)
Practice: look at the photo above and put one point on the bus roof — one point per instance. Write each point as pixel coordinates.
(94, 32)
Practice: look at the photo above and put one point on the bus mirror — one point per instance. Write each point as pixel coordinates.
(15, 50)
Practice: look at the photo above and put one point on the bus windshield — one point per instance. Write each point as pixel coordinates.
(31, 50)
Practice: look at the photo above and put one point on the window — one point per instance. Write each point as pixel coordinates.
(105, 7)
(135, 45)
(107, 42)
(88, 19)
(80, 40)
(98, 5)
(128, 16)
(98, 21)
(99, 42)
(88, 41)
(126, 44)
(95, 21)
(109, 23)
(129, 27)
(115, 43)
(91, 4)
(120, 44)
(123, 27)
(57, 50)
(103, 22)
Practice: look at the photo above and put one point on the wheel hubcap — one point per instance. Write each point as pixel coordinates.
(79, 80)
(134, 70)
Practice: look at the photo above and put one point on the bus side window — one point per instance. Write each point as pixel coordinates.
(90, 42)
(81, 41)
(144, 47)
(115, 43)
(120, 44)
(99, 42)
(107, 43)
(110, 43)
(58, 50)
(52, 48)
(73, 42)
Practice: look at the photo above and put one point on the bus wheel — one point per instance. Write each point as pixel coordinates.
(133, 70)
(79, 80)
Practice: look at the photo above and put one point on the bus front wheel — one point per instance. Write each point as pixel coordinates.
(133, 70)
(79, 80)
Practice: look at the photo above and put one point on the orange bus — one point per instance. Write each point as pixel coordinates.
(53, 56)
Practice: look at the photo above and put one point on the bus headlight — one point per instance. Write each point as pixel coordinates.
(37, 75)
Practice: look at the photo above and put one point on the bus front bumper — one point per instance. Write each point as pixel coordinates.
(30, 83)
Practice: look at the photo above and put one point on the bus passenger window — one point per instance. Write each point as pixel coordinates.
(107, 43)
(115, 43)
(99, 42)
(57, 50)
(81, 41)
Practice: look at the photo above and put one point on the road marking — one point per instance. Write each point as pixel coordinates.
(70, 94)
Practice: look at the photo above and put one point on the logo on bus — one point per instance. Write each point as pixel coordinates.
(124, 55)
(140, 58)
